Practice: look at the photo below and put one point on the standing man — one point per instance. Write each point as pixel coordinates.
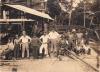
(35, 46)
(25, 40)
(54, 37)
(86, 37)
(44, 40)
(16, 47)
(72, 39)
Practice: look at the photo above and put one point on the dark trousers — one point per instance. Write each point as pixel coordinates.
(35, 51)
(16, 50)
(89, 52)
(82, 51)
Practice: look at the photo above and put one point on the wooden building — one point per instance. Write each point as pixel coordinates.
(32, 16)
(18, 16)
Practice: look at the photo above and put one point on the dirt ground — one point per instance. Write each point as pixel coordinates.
(45, 65)
(51, 64)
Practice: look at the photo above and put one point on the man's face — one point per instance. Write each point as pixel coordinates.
(9, 40)
(44, 33)
(53, 30)
(24, 33)
(16, 36)
(34, 36)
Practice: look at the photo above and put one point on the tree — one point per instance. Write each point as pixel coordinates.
(53, 7)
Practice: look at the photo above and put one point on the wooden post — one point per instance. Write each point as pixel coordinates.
(0, 1)
(45, 27)
(28, 2)
(35, 28)
(4, 14)
(70, 15)
(22, 26)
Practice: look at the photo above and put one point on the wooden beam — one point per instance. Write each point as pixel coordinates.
(15, 20)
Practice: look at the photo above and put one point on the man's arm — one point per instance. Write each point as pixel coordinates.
(7, 46)
(20, 38)
(14, 41)
(29, 38)
(40, 39)
(58, 35)
(49, 35)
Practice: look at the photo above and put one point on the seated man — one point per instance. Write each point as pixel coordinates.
(78, 48)
(8, 53)
(63, 45)
(82, 50)
(87, 49)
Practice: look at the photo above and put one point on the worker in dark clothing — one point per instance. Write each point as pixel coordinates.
(35, 46)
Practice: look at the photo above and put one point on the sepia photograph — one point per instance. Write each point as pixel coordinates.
(49, 35)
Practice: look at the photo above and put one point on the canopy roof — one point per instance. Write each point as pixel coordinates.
(30, 11)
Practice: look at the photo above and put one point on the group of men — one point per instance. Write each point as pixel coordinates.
(24, 43)
(78, 42)
(47, 44)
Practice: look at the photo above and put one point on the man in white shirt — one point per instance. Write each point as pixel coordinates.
(44, 40)
(79, 36)
(25, 39)
(54, 37)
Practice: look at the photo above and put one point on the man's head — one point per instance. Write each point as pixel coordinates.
(24, 33)
(9, 40)
(34, 35)
(73, 30)
(45, 33)
(63, 36)
(53, 30)
(16, 36)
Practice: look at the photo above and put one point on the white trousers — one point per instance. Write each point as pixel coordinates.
(25, 46)
(45, 47)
